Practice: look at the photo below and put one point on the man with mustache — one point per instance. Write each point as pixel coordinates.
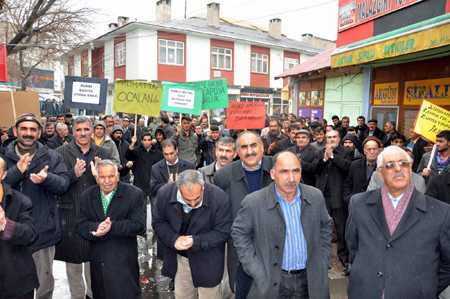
(111, 217)
(40, 174)
(238, 179)
(79, 155)
(398, 237)
(61, 137)
(273, 137)
(288, 142)
(306, 154)
(332, 170)
(282, 236)
(122, 147)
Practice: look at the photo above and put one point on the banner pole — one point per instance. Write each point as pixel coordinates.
(13, 106)
(432, 156)
(135, 124)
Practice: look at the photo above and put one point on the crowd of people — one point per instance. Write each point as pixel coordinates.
(237, 213)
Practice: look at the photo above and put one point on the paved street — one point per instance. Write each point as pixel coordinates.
(155, 286)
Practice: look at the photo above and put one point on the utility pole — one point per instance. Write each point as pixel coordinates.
(185, 8)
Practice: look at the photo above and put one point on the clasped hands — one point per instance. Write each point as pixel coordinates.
(184, 242)
(103, 228)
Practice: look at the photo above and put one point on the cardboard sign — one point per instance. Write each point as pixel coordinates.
(182, 98)
(85, 93)
(137, 97)
(246, 115)
(431, 120)
(215, 93)
(24, 102)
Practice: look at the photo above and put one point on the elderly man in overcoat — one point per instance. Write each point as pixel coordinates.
(193, 220)
(282, 236)
(110, 218)
(73, 250)
(398, 237)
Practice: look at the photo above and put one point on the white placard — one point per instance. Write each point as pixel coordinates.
(181, 98)
(83, 92)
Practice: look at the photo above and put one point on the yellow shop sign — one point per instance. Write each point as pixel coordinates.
(427, 39)
(385, 94)
(436, 91)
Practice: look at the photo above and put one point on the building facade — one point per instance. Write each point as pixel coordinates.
(191, 50)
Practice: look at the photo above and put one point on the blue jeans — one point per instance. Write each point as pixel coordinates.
(243, 284)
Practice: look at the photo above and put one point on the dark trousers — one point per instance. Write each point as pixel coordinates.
(30, 295)
(294, 286)
(339, 216)
(243, 283)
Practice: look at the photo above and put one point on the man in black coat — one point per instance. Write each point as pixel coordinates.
(18, 277)
(144, 157)
(110, 218)
(373, 131)
(362, 127)
(238, 179)
(78, 156)
(122, 147)
(307, 154)
(168, 169)
(332, 170)
(439, 187)
(417, 144)
(288, 142)
(362, 168)
(42, 179)
(61, 137)
(193, 220)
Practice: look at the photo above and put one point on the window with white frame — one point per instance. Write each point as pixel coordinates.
(70, 68)
(260, 63)
(120, 54)
(171, 52)
(221, 58)
(103, 62)
(290, 63)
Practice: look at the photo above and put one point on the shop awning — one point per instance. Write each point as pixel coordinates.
(427, 39)
(318, 62)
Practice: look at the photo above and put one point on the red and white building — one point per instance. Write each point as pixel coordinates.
(193, 49)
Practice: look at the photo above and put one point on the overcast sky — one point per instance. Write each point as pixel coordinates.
(318, 17)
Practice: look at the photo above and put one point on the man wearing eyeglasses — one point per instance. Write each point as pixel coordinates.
(397, 236)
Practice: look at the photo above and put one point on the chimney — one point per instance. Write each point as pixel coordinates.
(275, 28)
(213, 14)
(163, 10)
(122, 21)
(112, 26)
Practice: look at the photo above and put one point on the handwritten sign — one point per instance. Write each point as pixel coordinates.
(246, 115)
(182, 98)
(215, 93)
(431, 120)
(385, 94)
(85, 93)
(137, 97)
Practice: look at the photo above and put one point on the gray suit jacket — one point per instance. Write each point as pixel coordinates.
(208, 172)
(259, 234)
(407, 264)
(233, 181)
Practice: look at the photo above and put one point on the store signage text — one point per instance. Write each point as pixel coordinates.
(411, 43)
(386, 94)
(355, 12)
(436, 91)
(255, 95)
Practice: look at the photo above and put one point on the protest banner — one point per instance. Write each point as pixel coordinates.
(431, 120)
(16, 103)
(182, 98)
(215, 93)
(246, 115)
(137, 97)
(85, 93)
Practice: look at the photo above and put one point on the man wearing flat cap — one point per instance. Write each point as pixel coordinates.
(306, 153)
(389, 129)
(40, 174)
(372, 131)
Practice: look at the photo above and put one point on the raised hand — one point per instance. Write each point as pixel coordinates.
(40, 177)
(22, 165)
(79, 168)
